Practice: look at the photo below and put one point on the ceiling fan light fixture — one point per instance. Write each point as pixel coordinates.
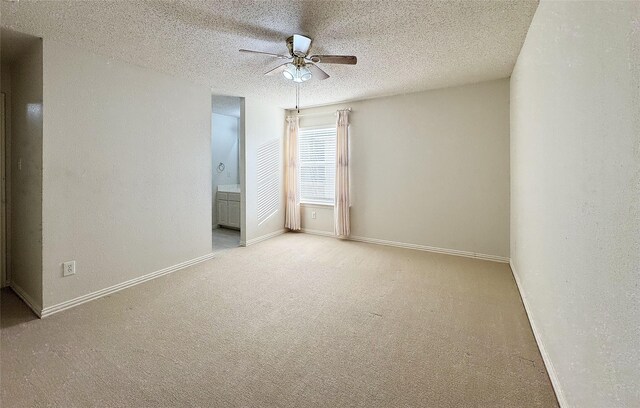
(296, 74)
(289, 72)
(304, 74)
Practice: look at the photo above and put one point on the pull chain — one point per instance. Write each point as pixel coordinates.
(298, 97)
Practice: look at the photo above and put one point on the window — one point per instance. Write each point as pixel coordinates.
(317, 148)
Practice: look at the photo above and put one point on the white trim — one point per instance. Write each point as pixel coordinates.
(26, 299)
(456, 252)
(48, 311)
(318, 232)
(263, 237)
(316, 205)
(427, 248)
(553, 376)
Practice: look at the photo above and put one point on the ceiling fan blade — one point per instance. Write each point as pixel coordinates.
(316, 72)
(277, 70)
(267, 53)
(335, 59)
(301, 45)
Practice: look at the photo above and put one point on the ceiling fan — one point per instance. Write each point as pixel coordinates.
(302, 66)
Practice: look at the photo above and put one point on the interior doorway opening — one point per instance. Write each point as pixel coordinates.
(21, 151)
(226, 132)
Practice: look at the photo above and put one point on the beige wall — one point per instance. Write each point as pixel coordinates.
(575, 191)
(26, 174)
(127, 171)
(262, 123)
(429, 169)
(5, 88)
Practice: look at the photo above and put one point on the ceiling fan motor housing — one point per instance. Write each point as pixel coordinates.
(299, 53)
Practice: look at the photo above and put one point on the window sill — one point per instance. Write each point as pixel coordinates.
(316, 205)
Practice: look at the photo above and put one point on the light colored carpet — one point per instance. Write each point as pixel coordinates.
(295, 321)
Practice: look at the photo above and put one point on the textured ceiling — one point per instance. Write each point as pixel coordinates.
(402, 46)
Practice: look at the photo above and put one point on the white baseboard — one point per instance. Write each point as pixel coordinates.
(426, 248)
(263, 237)
(318, 232)
(48, 311)
(417, 247)
(553, 376)
(26, 298)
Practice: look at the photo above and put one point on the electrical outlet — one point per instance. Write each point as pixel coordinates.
(69, 268)
(20, 164)
(313, 215)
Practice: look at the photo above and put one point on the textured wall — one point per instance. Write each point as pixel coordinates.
(26, 173)
(127, 171)
(5, 88)
(575, 191)
(430, 168)
(263, 123)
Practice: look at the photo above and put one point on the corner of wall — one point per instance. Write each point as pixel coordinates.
(551, 371)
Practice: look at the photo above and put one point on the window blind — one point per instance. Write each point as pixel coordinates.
(317, 158)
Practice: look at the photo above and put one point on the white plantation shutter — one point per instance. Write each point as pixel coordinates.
(317, 158)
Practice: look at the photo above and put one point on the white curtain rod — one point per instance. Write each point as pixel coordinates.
(299, 115)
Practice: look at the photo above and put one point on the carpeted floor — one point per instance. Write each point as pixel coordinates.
(295, 321)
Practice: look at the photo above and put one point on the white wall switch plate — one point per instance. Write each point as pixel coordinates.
(313, 215)
(69, 268)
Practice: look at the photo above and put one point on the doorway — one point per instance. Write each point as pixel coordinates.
(226, 123)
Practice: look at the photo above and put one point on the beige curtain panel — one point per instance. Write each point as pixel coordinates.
(342, 199)
(292, 211)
